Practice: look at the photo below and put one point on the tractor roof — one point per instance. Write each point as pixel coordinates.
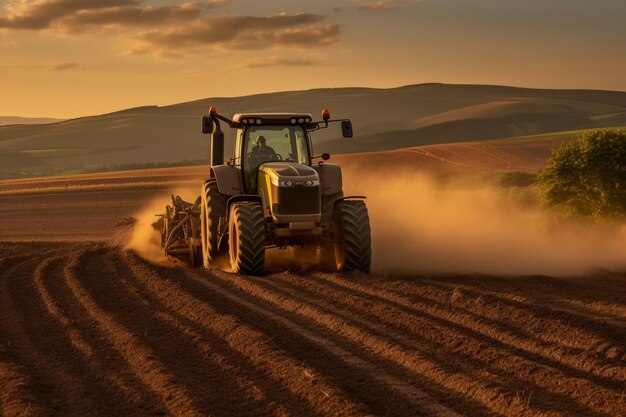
(273, 118)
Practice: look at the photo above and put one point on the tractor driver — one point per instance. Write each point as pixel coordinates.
(261, 151)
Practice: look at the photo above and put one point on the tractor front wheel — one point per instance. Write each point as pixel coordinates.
(353, 242)
(247, 239)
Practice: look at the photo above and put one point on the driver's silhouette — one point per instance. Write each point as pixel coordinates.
(261, 150)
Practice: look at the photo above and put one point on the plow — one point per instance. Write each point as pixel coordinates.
(273, 193)
(179, 228)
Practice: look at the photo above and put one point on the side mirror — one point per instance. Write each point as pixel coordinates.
(207, 125)
(346, 129)
(325, 156)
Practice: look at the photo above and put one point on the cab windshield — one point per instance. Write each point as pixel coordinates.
(272, 143)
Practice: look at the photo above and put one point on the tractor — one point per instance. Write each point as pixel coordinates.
(273, 193)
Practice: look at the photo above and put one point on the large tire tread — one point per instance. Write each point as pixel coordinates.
(247, 239)
(353, 237)
(213, 207)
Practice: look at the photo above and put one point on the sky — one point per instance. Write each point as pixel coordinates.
(70, 58)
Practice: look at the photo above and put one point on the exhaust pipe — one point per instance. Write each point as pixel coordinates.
(211, 125)
(217, 145)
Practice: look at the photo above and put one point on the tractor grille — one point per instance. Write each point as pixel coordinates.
(296, 200)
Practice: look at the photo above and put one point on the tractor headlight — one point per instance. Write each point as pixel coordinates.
(283, 183)
(311, 183)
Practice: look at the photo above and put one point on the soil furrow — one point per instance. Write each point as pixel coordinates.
(415, 396)
(87, 350)
(457, 371)
(136, 355)
(548, 301)
(217, 386)
(436, 373)
(201, 307)
(587, 337)
(18, 393)
(587, 390)
(28, 326)
(576, 309)
(518, 319)
(91, 330)
(552, 339)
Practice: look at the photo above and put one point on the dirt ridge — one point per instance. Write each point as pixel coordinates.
(92, 330)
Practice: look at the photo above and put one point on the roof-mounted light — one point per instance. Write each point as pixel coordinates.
(294, 121)
(212, 110)
(259, 121)
(326, 115)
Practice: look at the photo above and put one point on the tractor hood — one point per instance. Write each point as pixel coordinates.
(291, 172)
(291, 193)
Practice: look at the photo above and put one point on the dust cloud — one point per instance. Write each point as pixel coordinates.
(423, 225)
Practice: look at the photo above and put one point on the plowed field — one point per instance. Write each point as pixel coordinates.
(88, 328)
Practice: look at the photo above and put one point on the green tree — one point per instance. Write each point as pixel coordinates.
(587, 177)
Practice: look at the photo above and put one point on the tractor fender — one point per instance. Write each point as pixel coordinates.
(239, 198)
(330, 178)
(349, 197)
(331, 205)
(223, 239)
(228, 179)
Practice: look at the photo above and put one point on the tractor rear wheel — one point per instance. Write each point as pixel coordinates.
(353, 241)
(213, 207)
(247, 239)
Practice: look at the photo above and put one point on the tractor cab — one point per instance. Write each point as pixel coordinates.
(269, 137)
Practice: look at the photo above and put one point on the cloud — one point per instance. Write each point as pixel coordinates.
(73, 15)
(246, 32)
(35, 15)
(169, 30)
(380, 5)
(65, 66)
(133, 16)
(55, 67)
(276, 61)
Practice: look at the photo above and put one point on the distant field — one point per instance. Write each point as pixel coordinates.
(12, 120)
(567, 135)
(526, 154)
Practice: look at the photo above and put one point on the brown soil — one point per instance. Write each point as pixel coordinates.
(87, 329)
(90, 330)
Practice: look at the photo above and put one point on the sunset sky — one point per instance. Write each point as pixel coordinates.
(67, 58)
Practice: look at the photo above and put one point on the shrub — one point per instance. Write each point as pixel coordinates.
(587, 177)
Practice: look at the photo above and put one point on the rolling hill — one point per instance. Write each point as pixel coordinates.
(14, 120)
(384, 119)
